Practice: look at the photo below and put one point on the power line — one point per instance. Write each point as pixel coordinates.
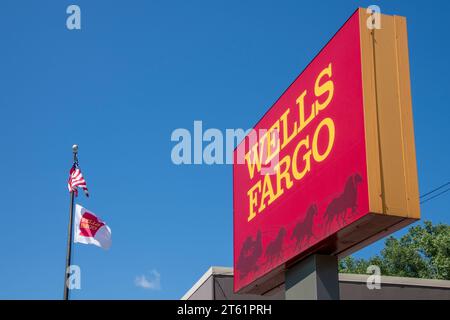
(434, 190)
(436, 195)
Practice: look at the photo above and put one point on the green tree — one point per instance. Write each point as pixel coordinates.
(424, 252)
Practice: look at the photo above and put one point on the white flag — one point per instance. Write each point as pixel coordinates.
(89, 229)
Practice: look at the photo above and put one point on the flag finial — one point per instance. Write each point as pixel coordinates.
(75, 148)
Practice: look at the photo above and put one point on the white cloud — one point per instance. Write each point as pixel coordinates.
(151, 281)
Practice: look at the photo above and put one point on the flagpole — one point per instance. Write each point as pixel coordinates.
(70, 229)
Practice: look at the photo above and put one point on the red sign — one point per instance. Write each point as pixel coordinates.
(304, 176)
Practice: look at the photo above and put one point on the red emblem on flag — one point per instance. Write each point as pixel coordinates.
(89, 225)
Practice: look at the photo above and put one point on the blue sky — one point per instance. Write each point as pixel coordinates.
(135, 72)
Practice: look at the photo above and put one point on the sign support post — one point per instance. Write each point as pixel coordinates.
(314, 278)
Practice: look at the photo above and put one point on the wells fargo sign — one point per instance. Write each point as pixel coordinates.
(331, 166)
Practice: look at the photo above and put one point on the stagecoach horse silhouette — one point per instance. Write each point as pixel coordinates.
(337, 209)
(304, 229)
(273, 249)
(250, 253)
(339, 206)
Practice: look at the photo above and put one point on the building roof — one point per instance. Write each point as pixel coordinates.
(343, 277)
(211, 271)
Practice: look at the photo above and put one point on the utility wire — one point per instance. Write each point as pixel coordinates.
(435, 196)
(434, 190)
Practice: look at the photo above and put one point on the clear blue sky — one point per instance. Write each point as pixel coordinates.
(136, 71)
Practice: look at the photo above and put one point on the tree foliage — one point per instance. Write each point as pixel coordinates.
(424, 252)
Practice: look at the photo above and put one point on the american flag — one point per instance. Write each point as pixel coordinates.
(76, 180)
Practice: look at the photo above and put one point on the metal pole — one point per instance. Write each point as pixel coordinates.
(69, 232)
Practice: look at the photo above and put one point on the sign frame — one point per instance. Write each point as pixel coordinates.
(393, 197)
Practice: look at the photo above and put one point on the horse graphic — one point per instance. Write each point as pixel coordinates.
(339, 206)
(303, 230)
(250, 253)
(273, 249)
